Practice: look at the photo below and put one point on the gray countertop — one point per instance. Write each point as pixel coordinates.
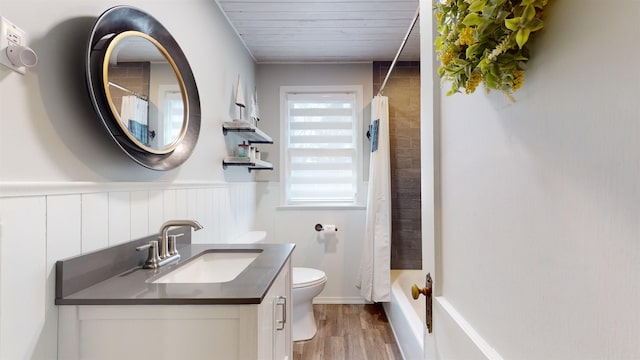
(135, 286)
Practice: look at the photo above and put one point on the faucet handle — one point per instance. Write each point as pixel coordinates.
(153, 259)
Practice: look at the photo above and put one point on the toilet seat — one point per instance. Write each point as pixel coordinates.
(305, 277)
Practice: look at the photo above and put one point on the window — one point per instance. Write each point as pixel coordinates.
(169, 114)
(321, 145)
(173, 115)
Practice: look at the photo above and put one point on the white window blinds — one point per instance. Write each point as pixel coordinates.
(321, 149)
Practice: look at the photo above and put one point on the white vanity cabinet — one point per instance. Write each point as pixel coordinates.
(234, 331)
(274, 319)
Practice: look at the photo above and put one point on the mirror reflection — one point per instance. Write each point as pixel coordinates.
(145, 92)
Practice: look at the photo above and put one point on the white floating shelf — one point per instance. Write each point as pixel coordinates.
(251, 164)
(247, 131)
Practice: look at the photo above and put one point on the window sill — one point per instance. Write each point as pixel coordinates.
(321, 207)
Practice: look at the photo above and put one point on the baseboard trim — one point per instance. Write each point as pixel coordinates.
(472, 335)
(339, 300)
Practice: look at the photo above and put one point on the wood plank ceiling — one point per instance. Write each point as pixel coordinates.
(298, 31)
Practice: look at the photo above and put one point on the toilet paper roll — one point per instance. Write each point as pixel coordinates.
(329, 227)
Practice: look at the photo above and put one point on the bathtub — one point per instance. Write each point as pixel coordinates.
(406, 315)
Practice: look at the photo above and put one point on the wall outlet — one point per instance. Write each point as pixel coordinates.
(10, 35)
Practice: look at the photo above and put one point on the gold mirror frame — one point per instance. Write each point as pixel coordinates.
(107, 60)
(112, 26)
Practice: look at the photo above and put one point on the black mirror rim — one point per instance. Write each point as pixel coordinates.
(126, 18)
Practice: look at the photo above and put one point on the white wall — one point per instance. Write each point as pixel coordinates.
(338, 255)
(540, 200)
(269, 79)
(48, 112)
(67, 189)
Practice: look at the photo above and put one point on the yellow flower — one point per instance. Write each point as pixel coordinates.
(473, 82)
(518, 79)
(466, 37)
(447, 56)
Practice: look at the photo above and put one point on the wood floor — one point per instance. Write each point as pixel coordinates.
(349, 332)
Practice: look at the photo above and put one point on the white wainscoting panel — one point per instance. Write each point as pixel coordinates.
(242, 208)
(38, 230)
(170, 204)
(64, 235)
(63, 240)
(224, 214)
(22, 275)
(204, 215)
(217, 207)
(182, 207)
(95, 221)
(192, 204)
(156, 210)
(119, 217)
(139, 214)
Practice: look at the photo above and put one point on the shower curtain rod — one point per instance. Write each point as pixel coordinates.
(404, 42)
(143, 97)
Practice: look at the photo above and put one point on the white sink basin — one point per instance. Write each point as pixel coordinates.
(211, 267)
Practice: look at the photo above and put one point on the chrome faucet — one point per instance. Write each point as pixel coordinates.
(166, 250)
(163, 251)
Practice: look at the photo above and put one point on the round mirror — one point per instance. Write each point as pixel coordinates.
(142, 88)
(145, 92)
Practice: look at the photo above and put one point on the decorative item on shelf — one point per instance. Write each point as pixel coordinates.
(247, 154)
(255, 110)
(239, 100)
(243, 150)
(485, 42)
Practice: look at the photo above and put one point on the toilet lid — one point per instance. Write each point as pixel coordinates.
(303, 277)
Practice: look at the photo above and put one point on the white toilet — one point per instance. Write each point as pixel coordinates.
(306, 284)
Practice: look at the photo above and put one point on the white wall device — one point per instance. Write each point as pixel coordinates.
(14, 52)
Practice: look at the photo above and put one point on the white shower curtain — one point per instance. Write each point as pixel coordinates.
(135, 109)
(133, 115)
(375, 267)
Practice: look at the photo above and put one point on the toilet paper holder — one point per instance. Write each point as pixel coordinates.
(320, 227)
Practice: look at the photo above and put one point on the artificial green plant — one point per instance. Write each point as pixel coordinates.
(485, 41)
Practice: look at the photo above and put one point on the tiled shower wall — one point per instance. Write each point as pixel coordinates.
(403, 91)
(134, 76)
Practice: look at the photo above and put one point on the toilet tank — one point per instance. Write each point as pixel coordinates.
(251, 237)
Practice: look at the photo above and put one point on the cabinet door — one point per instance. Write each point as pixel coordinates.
(282, 346)
(274, 322)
